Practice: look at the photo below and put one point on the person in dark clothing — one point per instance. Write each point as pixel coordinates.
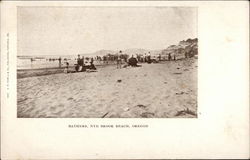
(159, 57)
(92, 66)
(82, 61)
(145, 58)
(79, 65)
(132, 61)
(60, 62)
(78, 60)
(92, 60)
(169, 57)
(186, 55)
(149, 58)
(119, 60)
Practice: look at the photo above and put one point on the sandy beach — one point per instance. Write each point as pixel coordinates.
(161, 90)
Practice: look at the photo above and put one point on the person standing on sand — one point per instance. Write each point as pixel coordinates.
(92, 66)
(91, 61)
(78, 60)
(82, 61)
(78, 63)
(169, 57)
(60, 62)
(66, 70)
(145, 57)
(149, 57)
(119, 61)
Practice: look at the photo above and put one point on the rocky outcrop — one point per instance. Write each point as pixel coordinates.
(185, 49)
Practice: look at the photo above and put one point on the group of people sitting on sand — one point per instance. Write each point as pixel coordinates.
(133, 60)
(88, 63)
(144, 58)
(82, 66)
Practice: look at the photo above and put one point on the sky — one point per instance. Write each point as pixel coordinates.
(83, 30)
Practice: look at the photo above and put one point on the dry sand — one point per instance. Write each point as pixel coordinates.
(161, 90)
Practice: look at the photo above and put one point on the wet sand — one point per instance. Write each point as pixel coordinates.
(161, 90)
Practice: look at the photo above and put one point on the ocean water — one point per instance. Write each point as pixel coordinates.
(24, 62)
(38, 62)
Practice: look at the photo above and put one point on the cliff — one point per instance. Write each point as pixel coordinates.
(186, 48)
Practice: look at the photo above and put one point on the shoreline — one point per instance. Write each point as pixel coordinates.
(25, 73)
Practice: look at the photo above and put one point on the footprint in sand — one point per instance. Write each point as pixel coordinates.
(59, 113)
(99, 105)
(38, 112)
(21, 100)
(147, 115)
(141, 106)
(115, 93)
(29, 110)
(102, 100)
(52, 108)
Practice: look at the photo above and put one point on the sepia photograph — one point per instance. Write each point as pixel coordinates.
(107, 62)
(124, 80)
